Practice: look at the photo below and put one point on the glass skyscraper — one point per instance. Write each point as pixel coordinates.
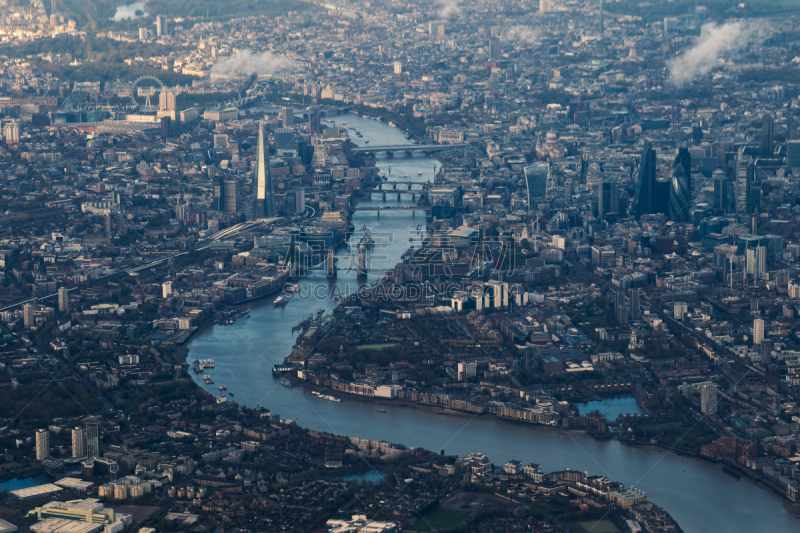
(536, 180)
(643, 200)
(92, 439)
(265, 192)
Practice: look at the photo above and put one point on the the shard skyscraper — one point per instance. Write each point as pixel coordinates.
(265, 191)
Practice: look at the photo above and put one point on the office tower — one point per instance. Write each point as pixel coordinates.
(680, 198)
(643, 200)
(756, 261)
(265, 193)
(536, 182)
(78, 442)
(758, 331)
(284, 139)
(767, 135)
(607, 199)
(27, 316)
(218, 204)
(494, 49)
(92, 440)
(161, 26)
(287, 116)
(398, 67)
(63, 299)
(793, 153)
(623, 313)
(684, 158)
(636, 310)
(166, 289)
(230, 196)
(744, 178)
(166, 101)
(721, 186)
(166, 127)
(602, 18)
(314, 118)
(42, 444)
(708, 399)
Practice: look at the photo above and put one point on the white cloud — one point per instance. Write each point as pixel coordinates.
(713, 43)
(246, 62)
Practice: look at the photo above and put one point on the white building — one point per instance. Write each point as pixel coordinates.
(758, 331)
(78, 442)
(708, 399)
(42, 444)
(467, 370)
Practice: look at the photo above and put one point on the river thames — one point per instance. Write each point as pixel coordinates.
(698, 495)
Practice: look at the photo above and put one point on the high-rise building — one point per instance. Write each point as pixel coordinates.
(397, 67)
(287, 116)
(284, 139)
(607, 199)
(793, 153)
(721, 186)
(11, 132)
(230, 196)
(708, 399)
(536, 181)
(42, 444)
(143, 34)
(636, 310)
(755, 261)
(161, 26)
(765, 352)
(166, 289)
(78, 442)
(63, 299)
(621, 308)
(92, 439)
(684, 158)
(218, 203)
(494, 49)
(680, 197)
(643, 200)
(166, 101)
(265, 192)
(28, 318)
(758, 331)
(767, 135)
(744, 178)
(545, 6)
(166, 127)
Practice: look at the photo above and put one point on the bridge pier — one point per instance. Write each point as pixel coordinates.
(389, 153)
(331, 264)
(398, 197)
(413, 196)
(409, 186)
(384, 197)
(362, 261)
(394, 186)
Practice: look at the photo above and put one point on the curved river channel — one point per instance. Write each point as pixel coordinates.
(699, 495)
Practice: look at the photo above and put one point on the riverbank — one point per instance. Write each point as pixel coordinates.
(758, 480)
